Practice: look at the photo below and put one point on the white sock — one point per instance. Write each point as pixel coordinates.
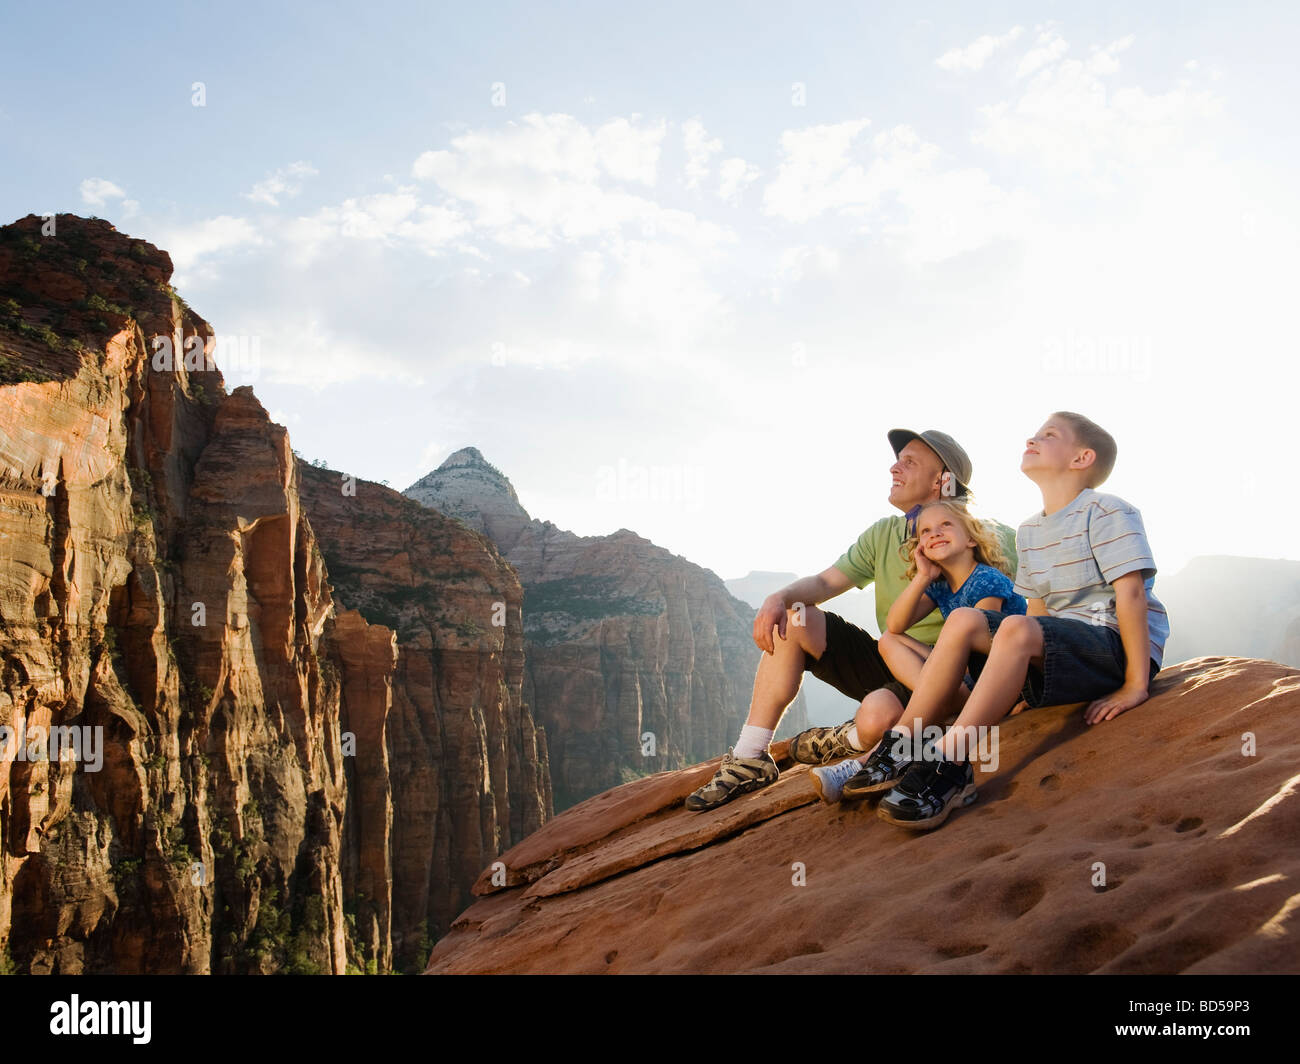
(753, 742)
(852, 736)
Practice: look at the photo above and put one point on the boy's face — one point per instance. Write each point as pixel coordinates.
(1052, 449)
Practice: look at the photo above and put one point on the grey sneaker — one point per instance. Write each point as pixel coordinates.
(821, 746)
(828, 780)
(735, 776)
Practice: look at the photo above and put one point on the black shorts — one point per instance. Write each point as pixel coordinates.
(851, 662)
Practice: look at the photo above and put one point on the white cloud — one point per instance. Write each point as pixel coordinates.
(733, 176)
(189, 244)
(383, 217)
(1069, 117)
(700, 148)
(96, 192)
(549, 178)
(977, 53)
(285, 181)
(1049, 47)
(796, 262)
(816, 173)
(900, 186)
(629, 153)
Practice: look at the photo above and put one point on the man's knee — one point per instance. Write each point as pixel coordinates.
(879, 711)
(805, 627)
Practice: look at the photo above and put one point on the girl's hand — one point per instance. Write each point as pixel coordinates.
(926, 569)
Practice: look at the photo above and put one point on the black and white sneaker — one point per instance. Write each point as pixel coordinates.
(927, 794)
(884, 768)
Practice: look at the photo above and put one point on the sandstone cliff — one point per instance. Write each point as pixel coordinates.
(292, 777)
(1162, 841)
(636, 660)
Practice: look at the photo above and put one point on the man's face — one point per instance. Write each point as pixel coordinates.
(915, 476)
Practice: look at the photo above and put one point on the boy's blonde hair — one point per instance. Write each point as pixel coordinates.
(1091, 435)
(988, 550)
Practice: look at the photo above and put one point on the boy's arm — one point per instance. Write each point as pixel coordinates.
(1035, 607)
(1131, 611)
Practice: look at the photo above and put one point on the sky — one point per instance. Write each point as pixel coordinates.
(679, 268)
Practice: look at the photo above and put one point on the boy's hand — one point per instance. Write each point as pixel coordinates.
(1113, 705)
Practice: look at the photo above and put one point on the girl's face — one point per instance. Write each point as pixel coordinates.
(941, 535)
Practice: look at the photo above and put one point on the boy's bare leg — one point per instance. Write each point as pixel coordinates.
(964, 632)
(780, 673)
(1018, 644)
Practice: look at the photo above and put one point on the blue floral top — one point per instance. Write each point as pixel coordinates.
(983, 582)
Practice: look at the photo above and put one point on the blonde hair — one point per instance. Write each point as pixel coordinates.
(988, 550)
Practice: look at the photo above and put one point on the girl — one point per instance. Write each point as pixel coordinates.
(954, 561)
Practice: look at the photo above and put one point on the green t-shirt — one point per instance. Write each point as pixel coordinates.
(876, 556)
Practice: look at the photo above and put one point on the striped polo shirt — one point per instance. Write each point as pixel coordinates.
(1071, 558)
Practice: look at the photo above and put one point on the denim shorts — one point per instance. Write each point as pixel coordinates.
(1081, 661)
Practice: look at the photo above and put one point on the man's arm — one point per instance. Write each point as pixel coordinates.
(807, 592)
(1131, 612)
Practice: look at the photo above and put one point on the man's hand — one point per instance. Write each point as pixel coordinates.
(772, 612)
(1113, 705)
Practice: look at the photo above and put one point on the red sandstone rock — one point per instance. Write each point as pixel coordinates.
(1196, 836)
(229, 829)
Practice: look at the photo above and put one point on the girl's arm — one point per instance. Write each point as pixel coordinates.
(990, 603)
(910, 606)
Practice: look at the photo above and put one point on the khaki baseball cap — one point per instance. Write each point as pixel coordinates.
(950, 452)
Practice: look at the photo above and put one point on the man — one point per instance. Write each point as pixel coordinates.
(930, 465)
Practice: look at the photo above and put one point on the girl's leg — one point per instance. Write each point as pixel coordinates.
(904, 656)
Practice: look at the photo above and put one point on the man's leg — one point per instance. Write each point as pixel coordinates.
(780, 673)
(749, 765)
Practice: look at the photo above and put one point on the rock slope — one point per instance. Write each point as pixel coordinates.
(292, 777)
(1162, 841)
(636, 659)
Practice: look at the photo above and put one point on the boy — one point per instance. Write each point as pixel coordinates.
(1094, 632)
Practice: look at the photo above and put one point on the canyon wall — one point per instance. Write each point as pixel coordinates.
(637, 660)
(296, 767)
